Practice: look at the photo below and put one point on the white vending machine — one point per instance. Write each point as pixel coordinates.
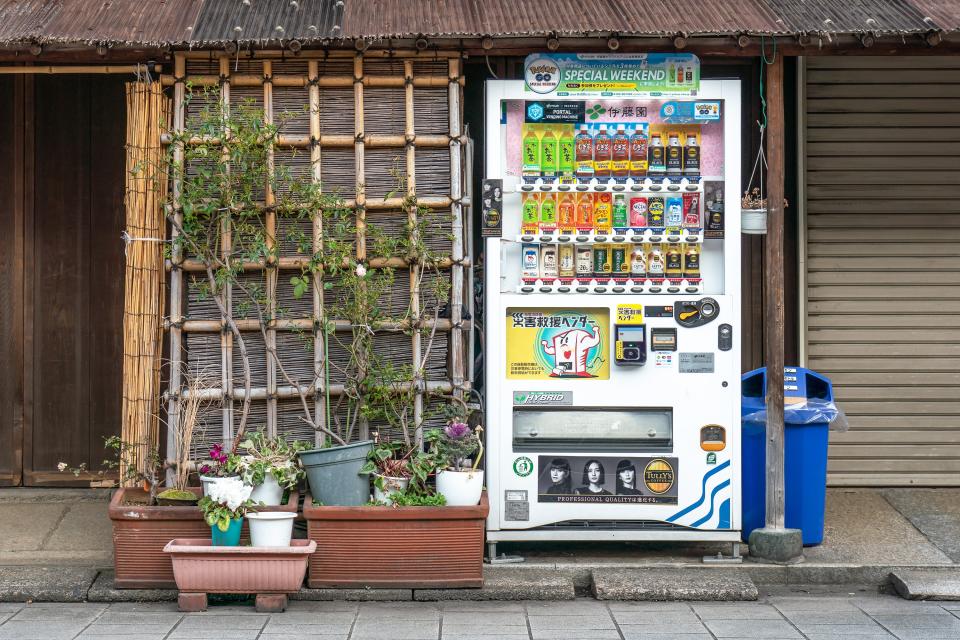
(612, 311)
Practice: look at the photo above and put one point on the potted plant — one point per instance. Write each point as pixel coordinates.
(223, 509)
(459, 480)
(220, 464)
(753, 212)
(270, 466)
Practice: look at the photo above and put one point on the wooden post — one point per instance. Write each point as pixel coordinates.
(319, 352)
(270, 223)
(416, 347)
(773, 296)
(226, 253)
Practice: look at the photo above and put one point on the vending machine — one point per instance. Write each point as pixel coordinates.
(612, 313)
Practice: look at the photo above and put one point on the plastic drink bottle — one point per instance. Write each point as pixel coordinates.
(531, 153)
(530, 267)
(674, 214)
(549, 150)
(638, 154)
(638, 264)
(566, 268)
(566, 159)
(585, 220)
(583, 155)
(655, 261)
(567, 213)
(548, 262)
(621, 154)
(602, 153)
(548, 213)
(530, 222)
(621, 219)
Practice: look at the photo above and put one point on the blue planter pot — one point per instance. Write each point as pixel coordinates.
(228, 538)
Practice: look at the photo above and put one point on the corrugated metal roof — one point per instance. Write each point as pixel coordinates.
(264, 22)
(399, 18)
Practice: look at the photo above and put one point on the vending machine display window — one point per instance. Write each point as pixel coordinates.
(587, 429)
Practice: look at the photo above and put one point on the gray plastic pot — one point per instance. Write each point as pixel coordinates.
(333, 474)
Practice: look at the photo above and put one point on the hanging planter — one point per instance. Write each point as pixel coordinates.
(753, 213)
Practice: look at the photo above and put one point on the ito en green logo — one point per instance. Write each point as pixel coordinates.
(596, 111)
(519, 398)
(523, 466)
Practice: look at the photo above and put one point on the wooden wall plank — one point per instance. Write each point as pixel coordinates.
(11, 270)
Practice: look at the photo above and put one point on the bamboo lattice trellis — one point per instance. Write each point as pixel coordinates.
(362, 119)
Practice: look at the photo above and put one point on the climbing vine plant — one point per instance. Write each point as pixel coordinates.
(223, 164)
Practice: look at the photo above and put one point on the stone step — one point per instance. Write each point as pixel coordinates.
(509, 583)
(927, 584)
(666, 584)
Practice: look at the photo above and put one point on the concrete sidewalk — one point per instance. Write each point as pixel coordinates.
(64, 536)
(784, 616)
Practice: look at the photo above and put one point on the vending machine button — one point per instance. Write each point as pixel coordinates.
(546, 289)
(582, 187)
(655, 289)
(583, 238)
(655, 187)
(692, 289)
(636, 289)
(673, 289)
(599, 289)
(583, 289)
(673, 238)
(563, 289)
(708, 309)
(674, 187)
(656, 239)
(725, 337)
(637, 187)
(600, 238)
(526, 187)
(526, 289)
(618, 238)
(546, 187)
(545, 238)
(619, 289)
(563, 238)
(692, 187)
(638, 239)
(600, 187)
(692, 239)
(563, 187)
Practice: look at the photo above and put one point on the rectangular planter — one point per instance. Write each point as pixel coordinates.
(396, 547)
(140, 533)
(200, 567)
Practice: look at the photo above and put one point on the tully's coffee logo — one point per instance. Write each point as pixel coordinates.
(523, 466)
(658, 476)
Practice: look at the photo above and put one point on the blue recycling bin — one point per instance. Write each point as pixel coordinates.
(808, 410)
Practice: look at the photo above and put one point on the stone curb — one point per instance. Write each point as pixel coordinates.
(45, 584)
(668, 585)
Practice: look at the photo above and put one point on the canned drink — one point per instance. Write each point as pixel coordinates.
(603, 213)
(691, 211)
(673, 262)
(548, 262)
(620, 261)
(638, 263)
(584, 266)
(691, 261)
(530, 265)
(638, 212)
(674, 213)
(655, 261)
(655, 213)
(601, 261)
(566, 268)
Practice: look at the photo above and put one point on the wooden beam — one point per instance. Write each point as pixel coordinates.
(773, 295)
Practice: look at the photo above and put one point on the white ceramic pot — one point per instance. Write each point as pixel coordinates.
(269, 493)
(460, 488)
(270, 528)
(390, 486)
(753, 221)
(208, 481)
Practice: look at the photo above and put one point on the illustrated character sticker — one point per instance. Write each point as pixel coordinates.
(570, 351)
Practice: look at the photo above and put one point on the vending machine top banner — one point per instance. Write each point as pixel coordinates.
(627, 75)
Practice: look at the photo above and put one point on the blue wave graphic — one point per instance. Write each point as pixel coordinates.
(724, 515)
(713, 494)
(703, 493)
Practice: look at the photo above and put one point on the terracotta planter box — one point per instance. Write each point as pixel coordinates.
(396, 547)
(140, 533)
(200, 567)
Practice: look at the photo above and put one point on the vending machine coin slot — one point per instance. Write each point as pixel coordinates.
(663, 339)
(695, 313)
(713, 437)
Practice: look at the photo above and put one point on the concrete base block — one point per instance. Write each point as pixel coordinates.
(192, 602)
(271, 602)
(104, 591)
(664, 584)
(779, 546)
(354, 595)
(927, 584)
(509, 584)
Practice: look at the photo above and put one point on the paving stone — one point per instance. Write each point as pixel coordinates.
(647, 606)
(143, 607)
(577, 607)
(123, 629)
(356, 595)
(929, 621)
(206, 634)
(927, 584)
(303, 636)
(935, 512)
(110, 616)
(222, 622)
(751, 629)
(799, 603)
(492, 606)
(828, 617)
(126, 636)
(484, 629)
(892, 604)
(641, 630)
(665, 618)
(103, 590)
(567, 622)
(39, 630)
(311, 618)
(659, 634)
(322, 607)
(671, 584)
(74, 614)
(856, 630)
(575, 634)
(736, 611)
(477, 636)
(506, 584)
(337, 629)
(397, 630)
(45, 584)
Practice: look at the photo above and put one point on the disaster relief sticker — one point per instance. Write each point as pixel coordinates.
(630, 314)
(607, 480)
(545, 344)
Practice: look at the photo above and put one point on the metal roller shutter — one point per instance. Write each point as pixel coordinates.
(882, 264)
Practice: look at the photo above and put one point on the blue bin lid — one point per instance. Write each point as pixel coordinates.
(807, 395)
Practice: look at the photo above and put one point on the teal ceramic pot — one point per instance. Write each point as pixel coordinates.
(228, 538)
